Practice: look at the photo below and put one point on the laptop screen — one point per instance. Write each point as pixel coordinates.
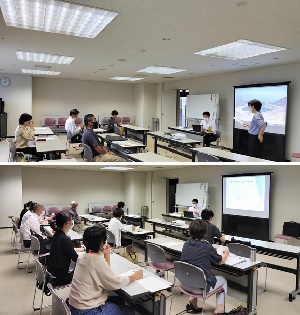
(197, 128)
(188, 214)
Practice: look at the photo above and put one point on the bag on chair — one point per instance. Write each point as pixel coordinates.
(291, 229)
(133, 257)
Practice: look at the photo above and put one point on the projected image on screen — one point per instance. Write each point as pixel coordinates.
(274, 105)
(246, 195)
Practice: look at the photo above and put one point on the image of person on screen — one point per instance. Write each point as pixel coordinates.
(209, 129)
(256, 129)
(195, 208)
(212, 230)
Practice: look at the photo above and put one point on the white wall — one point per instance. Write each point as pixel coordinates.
(17, 98)
(58, 97)
(138, 103)
(58, 186)
(223, 84)
(10, 193)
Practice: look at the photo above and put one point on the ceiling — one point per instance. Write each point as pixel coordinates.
(136, 35)
(98, 167)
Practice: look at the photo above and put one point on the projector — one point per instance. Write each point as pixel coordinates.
(178, 136)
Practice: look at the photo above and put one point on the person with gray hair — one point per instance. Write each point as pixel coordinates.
(79, 226)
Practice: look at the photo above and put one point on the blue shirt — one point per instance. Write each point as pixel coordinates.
(203, 255)
(91, 139)
(256, 123)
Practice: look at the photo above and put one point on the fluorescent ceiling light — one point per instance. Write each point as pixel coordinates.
(28, 71)
(240, 49)
(56, 17)
(45, 58)
(127, 79)
(160, 70)
(117, 168)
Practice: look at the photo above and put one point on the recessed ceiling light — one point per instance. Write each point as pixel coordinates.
(28, 71)
(126, 79)
(160, 70)
(42, 57)
(240, 49)
(117, 168)
(56, 17)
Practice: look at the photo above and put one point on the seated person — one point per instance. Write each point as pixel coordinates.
(62, 251)
(27, 208)
(79, 226)
(30, 225)
(209, 129)
(112, 122)
(195, 208)
(72, 129)
(121, 205)
(25, 133)
(93, 278)
(196, 251)
(91, 139)
(115, 226)
(212, 230)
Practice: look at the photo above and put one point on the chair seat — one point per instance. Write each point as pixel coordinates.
(284, 237)
(161, 266)
(200, 295)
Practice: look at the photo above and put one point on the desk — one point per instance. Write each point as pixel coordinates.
(137, 296)
(52, 144)
(185, 144)
(177, 216)
(189, 132)
(278, 250)
(226, 156)
(150, 157)
(72, 160)
(93, 218)
(43, 131)
(136, 130)
(99, 130)
(241, 278)
(72, 234)
(135, 219)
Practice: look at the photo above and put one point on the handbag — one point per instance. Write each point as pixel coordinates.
(239, 310)
(133, 257)
(291, 229)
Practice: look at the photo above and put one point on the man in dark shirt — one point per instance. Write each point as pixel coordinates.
(212, 230)
(90, 138)
(112, 122)
(79, 226)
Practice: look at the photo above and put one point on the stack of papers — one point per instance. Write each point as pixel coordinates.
(232, 259)
(153, 284)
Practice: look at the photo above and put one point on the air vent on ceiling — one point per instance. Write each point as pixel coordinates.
(43, 66)
(168, 77)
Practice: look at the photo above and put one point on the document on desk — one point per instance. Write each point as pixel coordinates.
(171, 243)
(153, 284)
(232, 259)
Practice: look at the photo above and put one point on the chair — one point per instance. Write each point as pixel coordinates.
(87, 153)
(192, 282)
(111, 239)
(114, 207)
(286, 238)
(126, 120)
(218, 134)
(156, 258)
(78, 121)
(54, 210)
(104, 121)
(61, 122)
(66, 209)
(118, 120)
(12, 151)
(34, 249)
(15, 236)
(69, 142)
(97, 209)
(107, 209)
(59, 305)
(50, 122)
(203, 157)
(117, 130)
(248, 252)
(22, 250)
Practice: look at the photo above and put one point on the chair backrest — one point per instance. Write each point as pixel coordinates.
(12, 150)
(106, 208)
(78, 121)
(190, 276)
(61, 121)
(40, 274)
(87, 153)
(35, 243)
(15, 227)
(111, 237)
(59, 305)
(114, 207)
(203, 157)
(105, 120)
(242, 250)
(53, 210)
(66, 209)
(118, 120)
(155, 254)
(49, 121)
(125, 120)
(96, 209)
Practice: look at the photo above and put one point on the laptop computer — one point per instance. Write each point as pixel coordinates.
(188, 214)
(197, 128)
(115, 138)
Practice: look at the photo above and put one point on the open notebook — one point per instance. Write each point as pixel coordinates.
(232, 259)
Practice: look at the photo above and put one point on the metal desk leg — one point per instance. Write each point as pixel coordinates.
(145, 138)
(193, 156)
(252, 292)
(294, 293)
(155, 145)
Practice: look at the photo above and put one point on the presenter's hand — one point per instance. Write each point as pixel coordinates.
(260, 138)
(246, 126)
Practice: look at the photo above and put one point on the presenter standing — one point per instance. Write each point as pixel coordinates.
(209, 129)
(256, 129)
(195, 208)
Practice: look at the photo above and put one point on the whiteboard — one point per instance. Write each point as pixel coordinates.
(186, 192)
(197, 104)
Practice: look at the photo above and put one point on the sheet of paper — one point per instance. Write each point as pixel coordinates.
(153, 284)
(232, 259)
(171, 243)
